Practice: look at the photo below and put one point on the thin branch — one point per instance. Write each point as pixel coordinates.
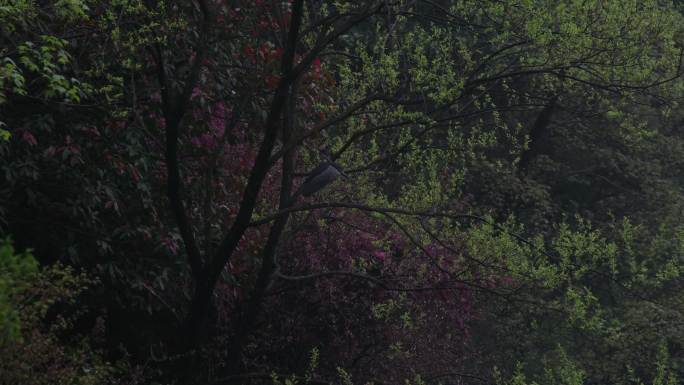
(455, 374)
(322, 126)
(340, 30)
(349, 205)
(377, 281)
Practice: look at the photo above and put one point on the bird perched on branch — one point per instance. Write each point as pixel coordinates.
(320, 177)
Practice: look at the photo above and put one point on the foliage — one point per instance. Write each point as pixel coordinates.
(17, 270)
(511, 210)
(35, 349)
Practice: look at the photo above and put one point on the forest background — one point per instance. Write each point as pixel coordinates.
(513, 211)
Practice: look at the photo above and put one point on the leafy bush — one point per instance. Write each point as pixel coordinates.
(36, 328)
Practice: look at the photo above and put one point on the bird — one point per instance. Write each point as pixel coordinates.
(320, 177)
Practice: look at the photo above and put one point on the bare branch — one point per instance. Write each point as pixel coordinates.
(349, 205)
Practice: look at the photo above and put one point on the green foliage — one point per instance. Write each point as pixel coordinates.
(313, 364)
(558, 246)
(665, 374)
(47, 61)
(4, 134)
(344, 376)
(17, 271)
(15, 14)
(32, 349)
(72, 10)
(12, 78)
(561, 372)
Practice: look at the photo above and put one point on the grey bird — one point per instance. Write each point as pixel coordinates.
(320, 177)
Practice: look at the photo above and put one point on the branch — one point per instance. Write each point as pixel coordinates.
(340, 30)
(454, 374)
(417, 244)
(377, 281)
(268, 261)
(173, 114)
(414, 138)
(210, 274)
(349, 205)
(264, 376)
(261, 164)
(358, 134)
(322, 126)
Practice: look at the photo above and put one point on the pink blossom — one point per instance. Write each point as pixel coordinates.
(381, 255)
(195, 92)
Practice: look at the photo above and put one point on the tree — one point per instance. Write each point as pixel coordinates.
(464, 127)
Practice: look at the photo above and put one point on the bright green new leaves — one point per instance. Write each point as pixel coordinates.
(19, 14)
(11, 78)
(559, 369)
(45, 64)
(48, 61)
(613, 44)
(437, 62)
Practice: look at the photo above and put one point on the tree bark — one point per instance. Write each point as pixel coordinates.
(539, 136)
(196, 319)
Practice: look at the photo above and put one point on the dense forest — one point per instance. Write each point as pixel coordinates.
(413, 192)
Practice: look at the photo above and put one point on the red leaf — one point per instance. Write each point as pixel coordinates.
(29, 138)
